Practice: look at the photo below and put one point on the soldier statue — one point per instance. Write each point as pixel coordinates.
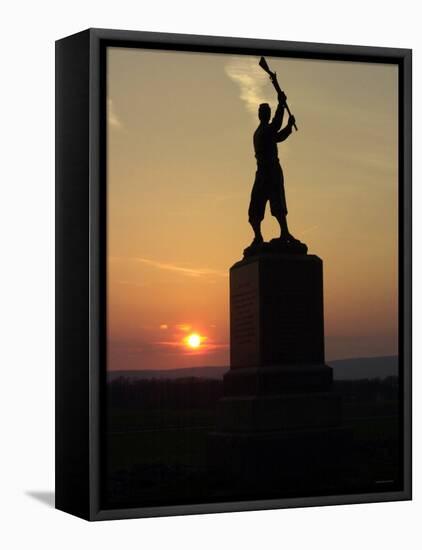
(269, 180)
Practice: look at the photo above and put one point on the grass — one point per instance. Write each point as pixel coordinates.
(164, 455)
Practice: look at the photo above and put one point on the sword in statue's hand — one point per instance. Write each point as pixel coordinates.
(264, 65)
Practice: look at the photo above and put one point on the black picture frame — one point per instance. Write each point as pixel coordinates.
(81, 254)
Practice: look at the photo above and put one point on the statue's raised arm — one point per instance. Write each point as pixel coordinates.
(273, 77)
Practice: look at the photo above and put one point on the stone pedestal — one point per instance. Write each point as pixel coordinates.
(276, 311)
(278, 402)
(277, 326)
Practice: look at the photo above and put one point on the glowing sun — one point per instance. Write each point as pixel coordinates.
(193, 340)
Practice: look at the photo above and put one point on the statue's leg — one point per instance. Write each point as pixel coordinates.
(279, 211)
(257, 209)
(278, 202)
(284, 229)
(256, 226)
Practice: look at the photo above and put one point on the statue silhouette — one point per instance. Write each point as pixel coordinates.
(269, 179)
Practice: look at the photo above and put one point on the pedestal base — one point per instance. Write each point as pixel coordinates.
(277, 379)
(291, 461)
(280, 439)
(259, 414)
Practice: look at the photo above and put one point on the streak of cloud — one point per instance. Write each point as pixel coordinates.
(309, 229)
(188, 271)
(183, 327)
(252, 81)
(132, 283)
(112, 118)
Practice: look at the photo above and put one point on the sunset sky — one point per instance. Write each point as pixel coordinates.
(180, 171)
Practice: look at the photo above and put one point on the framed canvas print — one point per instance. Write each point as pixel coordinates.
(233, 282)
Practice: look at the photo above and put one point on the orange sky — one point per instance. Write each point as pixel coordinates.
(180, 171)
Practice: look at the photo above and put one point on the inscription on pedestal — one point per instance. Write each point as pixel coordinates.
(244, 318)
(243, 305)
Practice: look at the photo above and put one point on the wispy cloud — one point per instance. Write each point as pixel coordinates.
(132, 283)
(309, 230)
(183, 327)
(112, 118)
(252, 81)
(189, 271)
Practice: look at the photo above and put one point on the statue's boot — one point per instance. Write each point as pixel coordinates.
(292, 239)
(256, 242)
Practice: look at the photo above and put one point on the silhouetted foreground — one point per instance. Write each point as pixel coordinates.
(158, 449)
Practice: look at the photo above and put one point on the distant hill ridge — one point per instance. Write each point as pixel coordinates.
(344, 369)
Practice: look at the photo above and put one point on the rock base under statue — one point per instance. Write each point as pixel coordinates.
(276, 246)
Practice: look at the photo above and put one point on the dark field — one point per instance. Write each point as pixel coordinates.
(160, 447)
